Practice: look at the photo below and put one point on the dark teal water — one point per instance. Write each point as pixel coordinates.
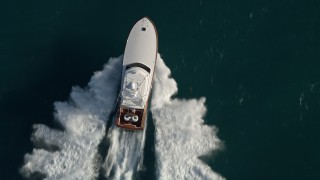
(257, 63)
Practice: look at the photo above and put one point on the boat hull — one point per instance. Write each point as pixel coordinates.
(141, 53)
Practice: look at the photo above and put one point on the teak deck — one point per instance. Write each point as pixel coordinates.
(130, 125)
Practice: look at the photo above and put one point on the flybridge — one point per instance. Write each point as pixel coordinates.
(135, 88)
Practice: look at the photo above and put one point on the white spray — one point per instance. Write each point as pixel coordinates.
(83, 117)
(181, 135)
(125, 155)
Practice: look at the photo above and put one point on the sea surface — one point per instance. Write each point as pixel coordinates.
(249, 69)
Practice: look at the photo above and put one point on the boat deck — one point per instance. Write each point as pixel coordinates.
(131, 125)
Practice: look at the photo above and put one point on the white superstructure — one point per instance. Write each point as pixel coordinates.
(135, 88)
(138, 64)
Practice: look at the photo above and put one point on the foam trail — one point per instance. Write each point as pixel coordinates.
(73, 152)
(181, 135)
(125, 155)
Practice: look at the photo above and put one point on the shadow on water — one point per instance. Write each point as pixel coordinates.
(149, 152)
(103, 151)
(149, 157)
(104, 144)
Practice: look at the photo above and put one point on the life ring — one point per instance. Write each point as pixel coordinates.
(135, 118)
(127, 117)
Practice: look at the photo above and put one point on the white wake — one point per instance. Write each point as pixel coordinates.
(72, 153)
(180, 133)
(125, 155)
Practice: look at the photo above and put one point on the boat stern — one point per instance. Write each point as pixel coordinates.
(130, 119)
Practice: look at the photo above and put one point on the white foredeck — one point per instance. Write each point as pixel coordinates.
(141, 45)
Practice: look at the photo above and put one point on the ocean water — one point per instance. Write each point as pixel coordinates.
(244, 79)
